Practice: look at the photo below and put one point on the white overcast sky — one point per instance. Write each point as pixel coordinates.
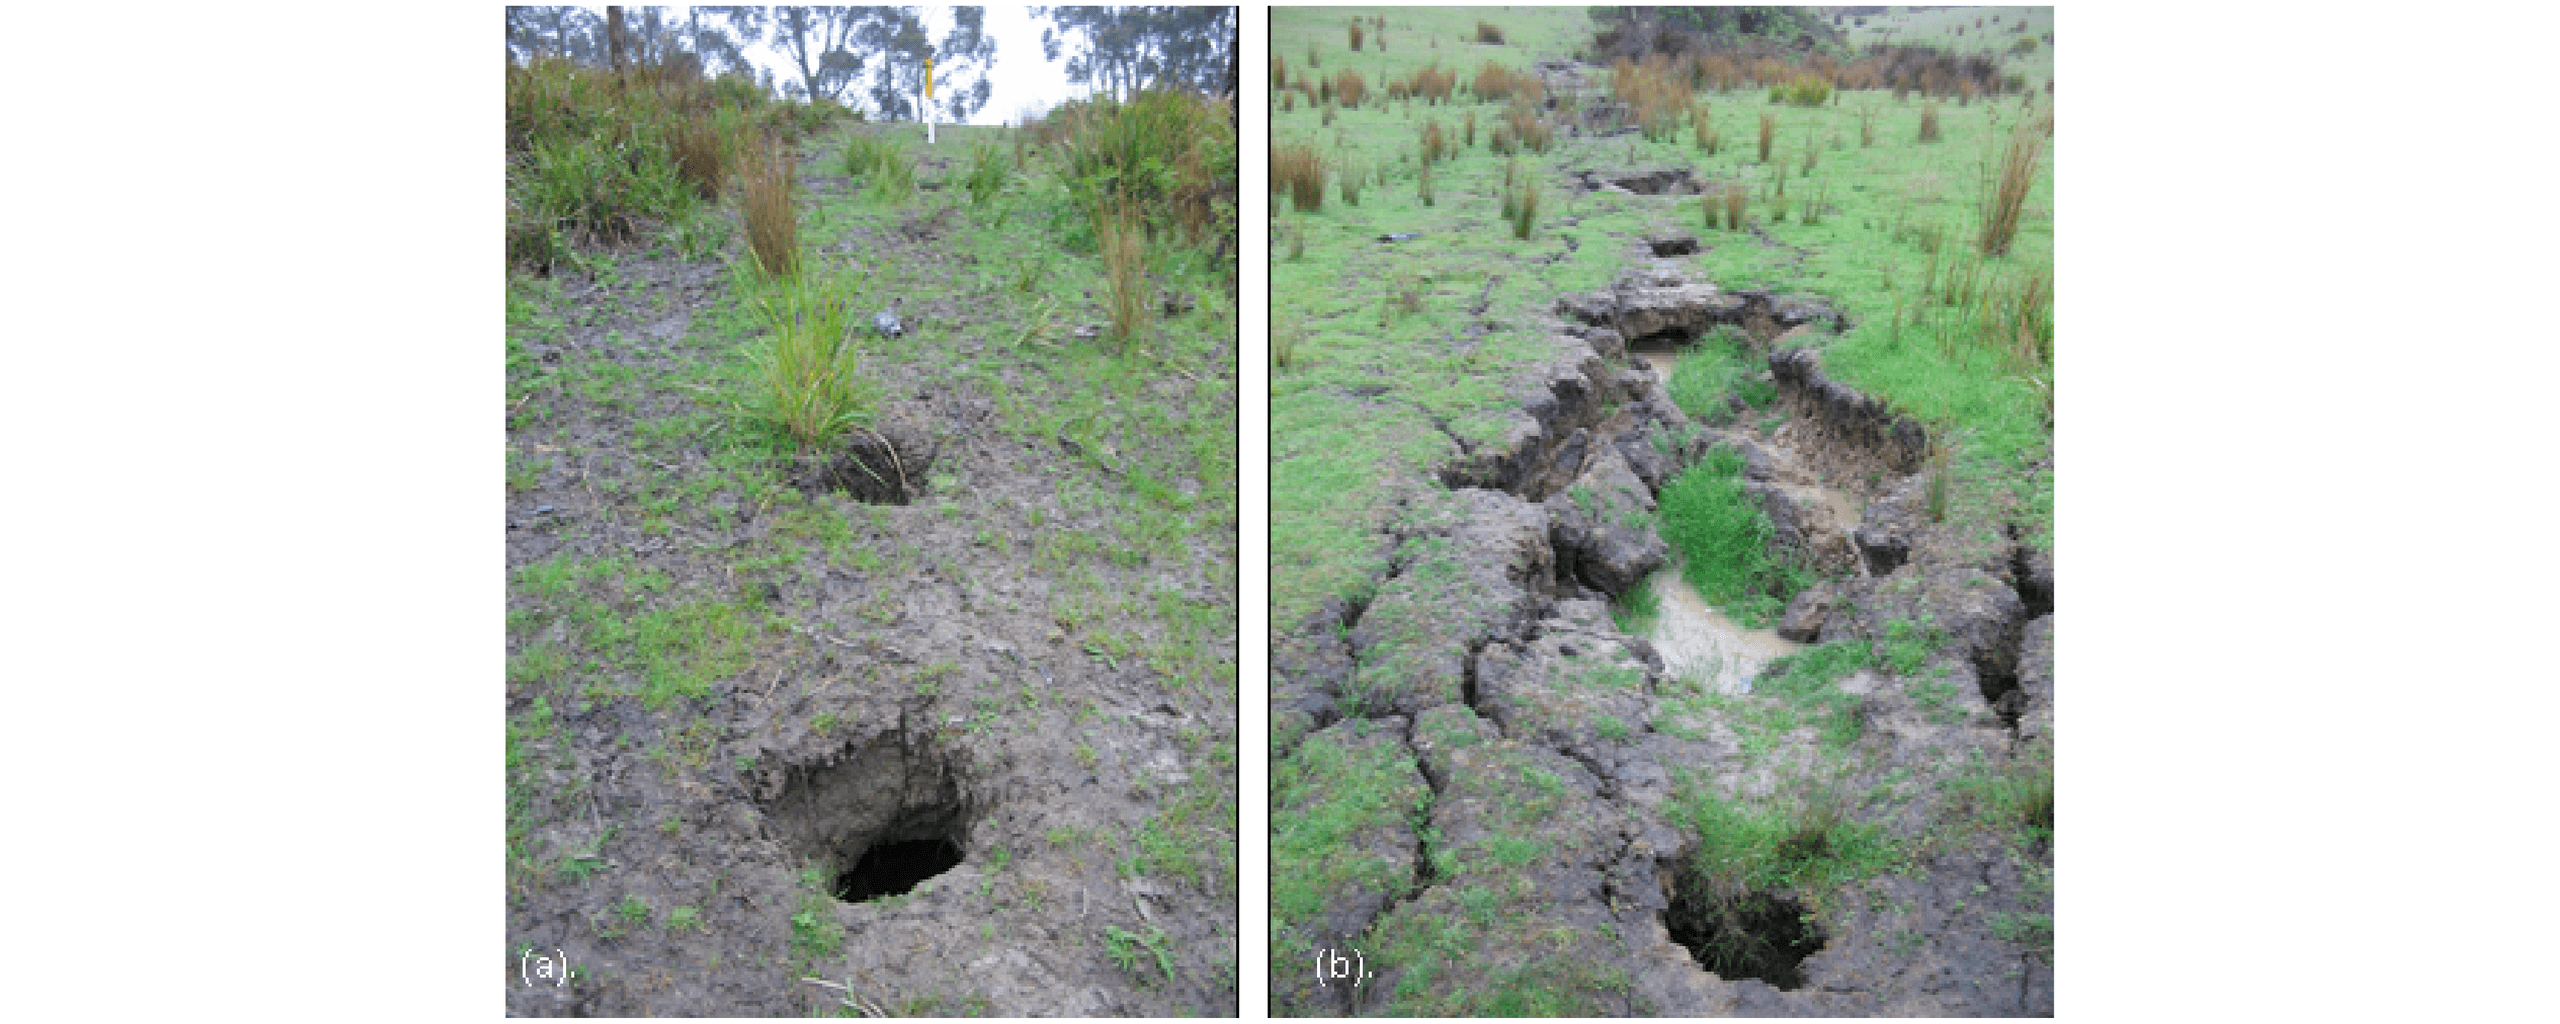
(1021, 78)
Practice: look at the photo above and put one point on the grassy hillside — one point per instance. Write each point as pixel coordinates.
(751, 534)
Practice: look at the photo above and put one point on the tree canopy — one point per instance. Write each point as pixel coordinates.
(1124, 49)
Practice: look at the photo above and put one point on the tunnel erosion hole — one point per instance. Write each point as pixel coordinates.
(1752, 934)
(881, 816)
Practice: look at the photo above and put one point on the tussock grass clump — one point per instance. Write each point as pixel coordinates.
(1471, 129)
(1529, 126)
(1279, 72)
(1768, 134)
(1702, 127)
(1433, 84)
(1736, 198)
(1350, 87)
(1428, 199)
(1299, 167)
(808, 385)
(589, 161)
(1488, 33)
(1802, 91)
(2009, 197)
(702, 155)
(1929, 121)
(1123, 238)
(1435, 143)
(773, 229)
(1356, 35)
(1528, 217)
(1495, 83)
(1653, 92)
(1172, 153)
(989, 168)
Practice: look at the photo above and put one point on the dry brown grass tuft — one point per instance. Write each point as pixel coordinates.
(1768, 134)
(1356, 35)
(773, 230)
(1929, 121)
(1433, 83)
(700, 154)
(1123, 240)
(1735, 198)
(1471, 129)
(1528, 122)
(1494, 82)
(1299, 167)
(1435, 143)
(1349, 87)
(2009, 197)
(1279, 72)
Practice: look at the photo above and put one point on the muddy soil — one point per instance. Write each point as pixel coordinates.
(914, 690)
(1489, 655)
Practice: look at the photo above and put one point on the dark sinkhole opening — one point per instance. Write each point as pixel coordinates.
(1759, 935)
(882, 817)
(870, 467)
(893, 869)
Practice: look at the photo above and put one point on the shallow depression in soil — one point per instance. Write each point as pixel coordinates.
(1695, 640)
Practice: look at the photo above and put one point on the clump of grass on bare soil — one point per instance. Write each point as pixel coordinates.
(1123, 240)
(808, 384)
(773, 229)
(701, 154)
(989, 169)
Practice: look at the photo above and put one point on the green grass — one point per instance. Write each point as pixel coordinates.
(1718, 366)
(809, 383)
(1809, 846)
(1722, 537)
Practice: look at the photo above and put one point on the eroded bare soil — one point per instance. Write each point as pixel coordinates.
(1561, 766)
